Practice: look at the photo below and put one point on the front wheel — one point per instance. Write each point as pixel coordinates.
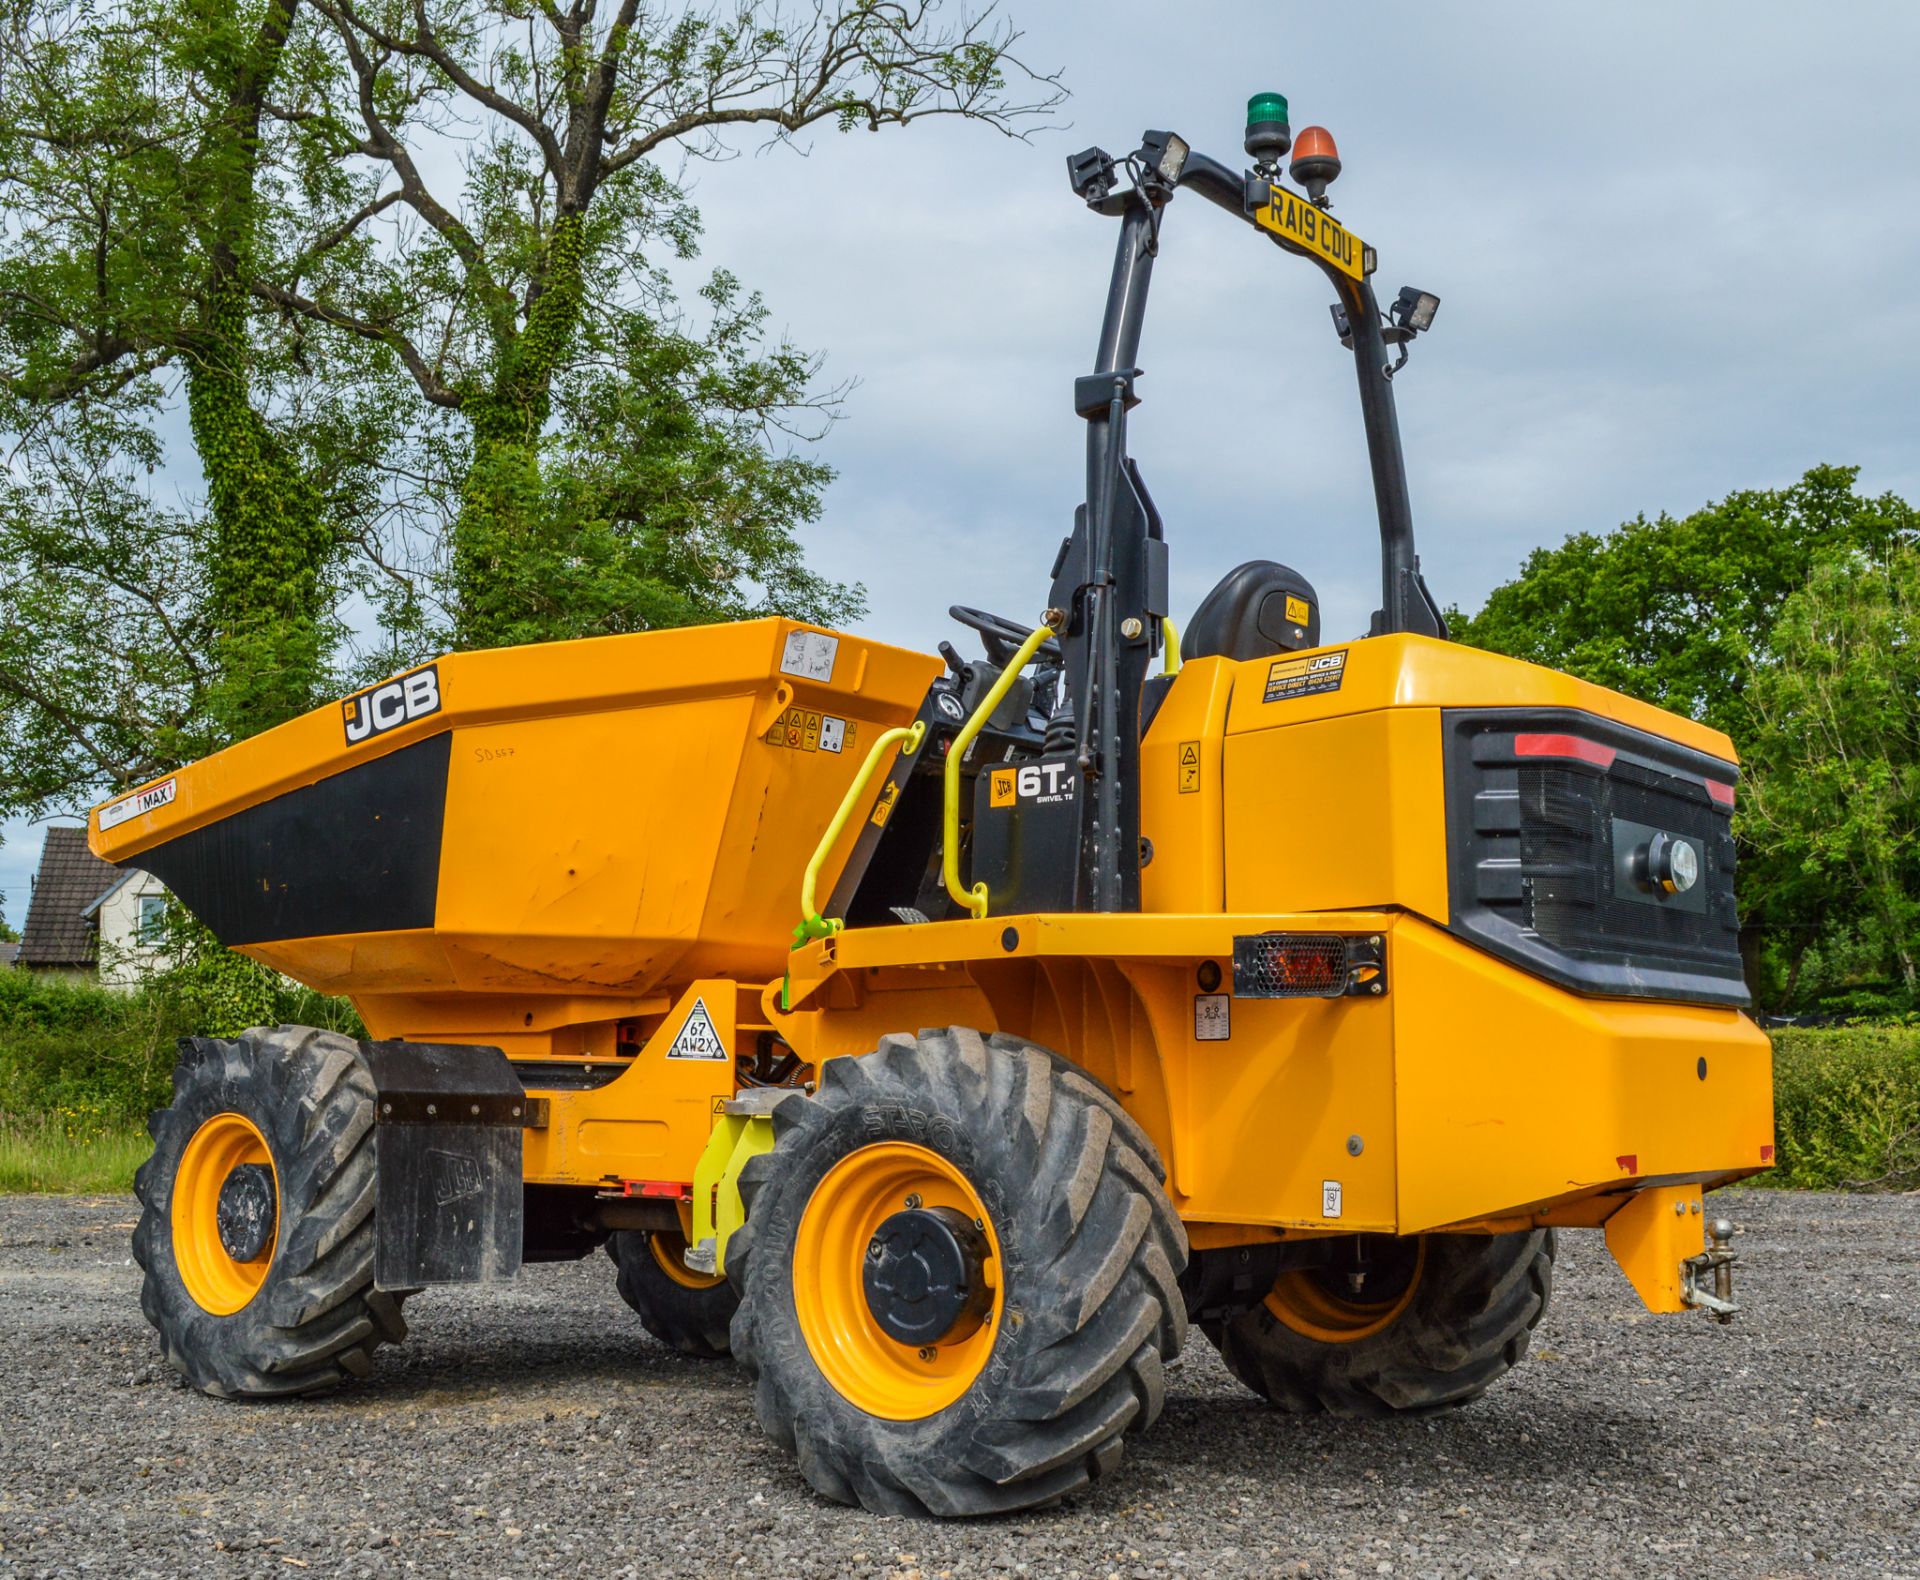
(958, 1278)
(256, 1223)
(1431, 1322)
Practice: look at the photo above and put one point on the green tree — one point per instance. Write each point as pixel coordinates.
(1677, 610)
(1680, 611)
(1834, 759)
(610, 463)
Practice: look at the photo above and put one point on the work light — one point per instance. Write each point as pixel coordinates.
(1413, 310)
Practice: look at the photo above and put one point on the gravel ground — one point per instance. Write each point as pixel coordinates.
(537, 1431)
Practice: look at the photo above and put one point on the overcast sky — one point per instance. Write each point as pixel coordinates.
(1677, 248)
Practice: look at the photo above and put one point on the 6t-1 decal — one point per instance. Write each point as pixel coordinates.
(391, 704)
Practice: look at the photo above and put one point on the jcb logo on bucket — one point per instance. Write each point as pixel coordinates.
(391, 704)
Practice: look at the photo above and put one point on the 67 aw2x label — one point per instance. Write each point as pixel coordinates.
(391, 704)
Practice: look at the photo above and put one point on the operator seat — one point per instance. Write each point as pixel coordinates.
(1257, 609)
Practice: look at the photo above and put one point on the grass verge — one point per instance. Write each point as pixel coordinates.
(40, 1155)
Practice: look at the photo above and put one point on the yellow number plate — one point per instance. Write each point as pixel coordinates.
(1293, 219)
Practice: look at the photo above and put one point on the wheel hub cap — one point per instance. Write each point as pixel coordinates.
(245, 1214)
(924, 1276)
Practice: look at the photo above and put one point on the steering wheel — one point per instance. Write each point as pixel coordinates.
(1002, 637)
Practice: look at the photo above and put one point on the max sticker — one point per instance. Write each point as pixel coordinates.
(150, 799)
(391, 704)
(1306, 676)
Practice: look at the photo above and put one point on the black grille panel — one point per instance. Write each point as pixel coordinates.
(1548, 851)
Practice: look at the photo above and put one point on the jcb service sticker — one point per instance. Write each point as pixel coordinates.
(1306, 676)
(391, 704)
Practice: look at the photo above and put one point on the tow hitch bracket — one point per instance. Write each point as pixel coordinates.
(1712, 1267)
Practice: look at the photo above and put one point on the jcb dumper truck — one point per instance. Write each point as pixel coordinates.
(942, 1036)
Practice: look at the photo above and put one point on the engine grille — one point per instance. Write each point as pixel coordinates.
(1551, 818)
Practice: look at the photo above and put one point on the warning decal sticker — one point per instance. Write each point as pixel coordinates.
(1297, 610)
(1329, 1198)
(804, 730)
(1306, 676)
(1189, 767)
(1212, 1017)
(698, 1038)
(810, 655)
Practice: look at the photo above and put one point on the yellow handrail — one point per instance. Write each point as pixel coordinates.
(975, 899)
(812, 923)
(1171, 666)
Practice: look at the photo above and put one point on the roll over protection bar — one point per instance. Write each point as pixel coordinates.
(1110, 579)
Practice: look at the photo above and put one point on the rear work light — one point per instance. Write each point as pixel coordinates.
(1308, 965)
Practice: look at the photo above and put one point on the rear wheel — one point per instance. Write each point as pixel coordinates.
(689, 1311)
(1433, 1321)
(256, 1223)
(958, 1278)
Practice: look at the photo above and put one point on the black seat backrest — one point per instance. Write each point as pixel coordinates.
(1258, 609)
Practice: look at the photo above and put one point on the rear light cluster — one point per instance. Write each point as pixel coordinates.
(1577, 748)
(1307, 965)
(1594, 854)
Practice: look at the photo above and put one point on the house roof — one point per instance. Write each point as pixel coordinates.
(58, 931)
(110, 891)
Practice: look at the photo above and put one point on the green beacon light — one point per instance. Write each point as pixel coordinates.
(1268, 135)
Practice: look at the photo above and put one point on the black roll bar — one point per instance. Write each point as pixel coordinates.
(1405, 604)
(1110, 581)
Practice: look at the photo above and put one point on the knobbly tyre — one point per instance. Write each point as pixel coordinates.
(1296, 990)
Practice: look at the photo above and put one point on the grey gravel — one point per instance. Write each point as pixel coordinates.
(536, 1430)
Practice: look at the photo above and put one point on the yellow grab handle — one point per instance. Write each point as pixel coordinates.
(812, 924)
(975, 899)
(1171, 655)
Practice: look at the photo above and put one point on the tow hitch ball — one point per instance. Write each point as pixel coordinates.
(1709, 1276)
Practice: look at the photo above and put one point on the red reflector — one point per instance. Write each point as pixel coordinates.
(1629, 1162)
(1766, 1153)
(1564, 746)
(1722, 793)
(671, 1190)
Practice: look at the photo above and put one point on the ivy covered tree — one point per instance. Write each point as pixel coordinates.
(613, 461)
(136, 629)
(420, 409)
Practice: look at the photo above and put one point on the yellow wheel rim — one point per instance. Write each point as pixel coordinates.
(668, 1250)
(1303, 1303)
(213, 1278)
(868, 1367)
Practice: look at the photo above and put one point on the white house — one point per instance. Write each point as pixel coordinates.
(88, 919)
(131, 920)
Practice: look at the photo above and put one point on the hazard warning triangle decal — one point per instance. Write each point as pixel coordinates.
(698, 1039)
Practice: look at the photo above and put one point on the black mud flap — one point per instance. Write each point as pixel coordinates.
(447, 1142)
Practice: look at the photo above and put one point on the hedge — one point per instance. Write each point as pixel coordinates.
(1846, 1108)
(92, 1063)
